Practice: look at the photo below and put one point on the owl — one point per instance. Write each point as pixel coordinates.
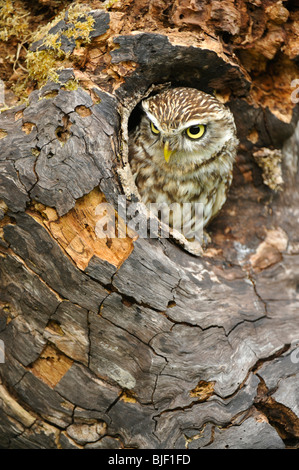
(182, 151)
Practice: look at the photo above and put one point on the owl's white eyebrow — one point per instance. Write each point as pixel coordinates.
(193, 122)
(153, 119)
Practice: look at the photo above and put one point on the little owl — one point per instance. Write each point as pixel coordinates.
(183, 150)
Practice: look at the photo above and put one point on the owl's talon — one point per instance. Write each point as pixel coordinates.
(194, 247)
(206, 238)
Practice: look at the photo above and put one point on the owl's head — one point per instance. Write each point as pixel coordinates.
(185, 124)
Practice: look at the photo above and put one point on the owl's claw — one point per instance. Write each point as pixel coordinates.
(206, 239)
(194, 247)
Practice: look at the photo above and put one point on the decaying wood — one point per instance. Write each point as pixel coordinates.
(133, 342)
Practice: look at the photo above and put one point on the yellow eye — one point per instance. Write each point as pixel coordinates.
(154, 129)
(195, 132)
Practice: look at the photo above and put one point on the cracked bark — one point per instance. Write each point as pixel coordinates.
(132, 342)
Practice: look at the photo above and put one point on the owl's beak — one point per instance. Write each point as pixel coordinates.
(167, 151)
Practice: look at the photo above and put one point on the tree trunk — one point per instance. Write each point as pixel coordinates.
(132, 342)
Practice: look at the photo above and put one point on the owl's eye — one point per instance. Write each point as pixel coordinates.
(195, 132)
(154, 129)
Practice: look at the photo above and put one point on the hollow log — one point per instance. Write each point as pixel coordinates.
(129, 341)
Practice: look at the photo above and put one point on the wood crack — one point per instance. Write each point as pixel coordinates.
(282, 418)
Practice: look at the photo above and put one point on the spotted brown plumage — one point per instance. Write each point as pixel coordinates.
(183, 150)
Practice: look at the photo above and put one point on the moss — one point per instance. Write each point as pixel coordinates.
(108, 4)
(2, 109)
(43, 31)
(13, 21)
(53, 42)
(43, 61)
(43, 64)
(71, 85)
(20, 89)
(81, 23)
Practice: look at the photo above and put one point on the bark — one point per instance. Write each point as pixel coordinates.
(133, 342)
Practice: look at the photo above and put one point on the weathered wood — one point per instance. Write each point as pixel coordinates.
(133, 342)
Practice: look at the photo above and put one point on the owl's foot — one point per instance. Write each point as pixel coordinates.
(194, 247)
(206, 239)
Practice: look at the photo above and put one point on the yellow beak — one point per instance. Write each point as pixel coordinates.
(167, 151)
